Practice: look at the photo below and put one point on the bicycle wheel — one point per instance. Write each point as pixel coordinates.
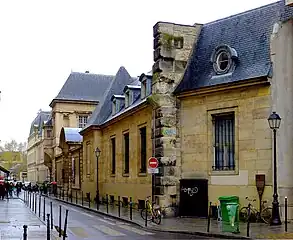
(158, 217)
(243, 214)
(266, 215)
(143, 214)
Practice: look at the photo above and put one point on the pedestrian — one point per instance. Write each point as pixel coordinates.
(2, 190)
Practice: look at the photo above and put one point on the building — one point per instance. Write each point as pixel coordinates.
(79, 96)
(36, 169)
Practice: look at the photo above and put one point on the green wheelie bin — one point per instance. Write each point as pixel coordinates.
(230, 213)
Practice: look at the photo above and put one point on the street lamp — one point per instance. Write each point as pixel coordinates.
(274, 123)
(98, 153)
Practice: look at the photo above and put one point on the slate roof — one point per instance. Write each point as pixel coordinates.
(72, 135)
(42, 117)
(248, 33)
(84, 87)
(104, 110)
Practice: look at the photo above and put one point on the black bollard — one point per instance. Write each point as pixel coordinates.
(44, 208)
(33, 202)
(24, 232)
(89, 199)
(48, 227)
(51, 211)
(107, 203)
(146, 214)
(130, 210)
(119, 206)
(60, 212)
(40, 206)
(36, 200)
(30, 200)
(286, 214)
(76, 197)
(81, 198)
(209, 217)
(248, 221)
(98, 199)
(65, 225)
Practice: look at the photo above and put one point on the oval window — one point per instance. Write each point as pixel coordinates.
(223, 61)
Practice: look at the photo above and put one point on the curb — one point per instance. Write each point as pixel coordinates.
(203, 234)
(53, 231)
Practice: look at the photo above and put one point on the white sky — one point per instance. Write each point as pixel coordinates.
(42, 41)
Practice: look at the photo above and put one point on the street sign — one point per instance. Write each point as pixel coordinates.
(153, 170)
(153, 162)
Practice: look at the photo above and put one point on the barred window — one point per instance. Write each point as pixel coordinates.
(82, 121)
(224, 142)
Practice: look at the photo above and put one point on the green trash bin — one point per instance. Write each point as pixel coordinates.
(230, 213)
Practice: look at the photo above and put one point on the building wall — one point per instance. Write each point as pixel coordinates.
(253, 141)
(135, 185)
(282, 95)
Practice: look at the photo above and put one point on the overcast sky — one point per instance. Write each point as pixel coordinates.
(42, 41)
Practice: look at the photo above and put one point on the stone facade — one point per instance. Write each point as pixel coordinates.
(133, 184)
(173, 44)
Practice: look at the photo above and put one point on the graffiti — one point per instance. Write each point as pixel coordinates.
(190, 191)
(169, 131)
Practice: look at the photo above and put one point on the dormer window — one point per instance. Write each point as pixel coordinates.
(117, 101)
(146, 86)
(128, 98)
(131, 93)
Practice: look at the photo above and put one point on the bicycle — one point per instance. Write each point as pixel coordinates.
(152, 211)
(265, 214)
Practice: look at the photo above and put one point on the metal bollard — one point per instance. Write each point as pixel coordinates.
(107, 203)
(40, 206)
(146, 214)
(81, 198)
(209, 217)
(130, 210)
(24, 232)
(60, 212)
(119, 206)
(44, 208)
(98, 199)
(76, 197)
(36, 201)
(51, 210)
(48, 227)
(33, 202)
(286, 214)
(248, 221)
(30, 200)
(65, 225)
(89, 199)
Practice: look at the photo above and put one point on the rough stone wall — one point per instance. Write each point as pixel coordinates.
(173, 45)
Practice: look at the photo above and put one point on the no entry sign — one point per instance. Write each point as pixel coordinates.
(153, 162)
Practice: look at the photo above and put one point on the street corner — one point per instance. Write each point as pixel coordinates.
(275, 236)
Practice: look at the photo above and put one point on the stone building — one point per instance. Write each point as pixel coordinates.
(121, 130)
(36, 169)
(78, 97)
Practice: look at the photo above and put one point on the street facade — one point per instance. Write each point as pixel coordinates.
(202, 112)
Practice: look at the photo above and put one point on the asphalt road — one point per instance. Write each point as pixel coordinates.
(84, 224)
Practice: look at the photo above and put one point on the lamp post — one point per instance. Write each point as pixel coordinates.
(97, 152)
(274, 123)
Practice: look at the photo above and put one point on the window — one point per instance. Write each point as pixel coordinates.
(82, 121)
(88, 158)
(223, 61)
(126, 99)
(143, 89)
(114, 107)
(146, 88)
(49, 133)
(143, 150)
(126, 153)
(113, 148)
(178, 42)
(117, 106)
(224, 142)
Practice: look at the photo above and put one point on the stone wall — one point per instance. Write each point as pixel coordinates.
(173, 45)
(253, 141)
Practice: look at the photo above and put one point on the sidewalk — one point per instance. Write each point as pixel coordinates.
(188, 225)
(13, 215)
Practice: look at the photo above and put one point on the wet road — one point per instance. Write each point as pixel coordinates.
(84, 224)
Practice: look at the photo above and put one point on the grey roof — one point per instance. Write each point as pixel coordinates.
(103, 111)
(72, 135)
(84, 87)
(248, 33)
(38, 122)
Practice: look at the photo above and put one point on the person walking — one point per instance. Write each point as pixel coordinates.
(2, 190)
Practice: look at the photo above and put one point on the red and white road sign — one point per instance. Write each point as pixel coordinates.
(153, 162)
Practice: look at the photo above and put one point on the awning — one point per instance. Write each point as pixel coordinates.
(2, 169)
